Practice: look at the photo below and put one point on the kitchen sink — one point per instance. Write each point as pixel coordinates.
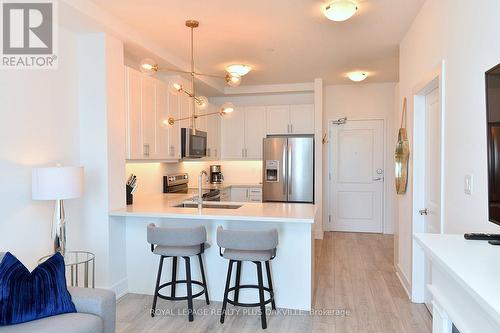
(205, 205)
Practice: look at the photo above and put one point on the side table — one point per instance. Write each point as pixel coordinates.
(78, 261)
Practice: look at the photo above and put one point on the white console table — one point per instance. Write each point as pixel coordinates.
(465, 283)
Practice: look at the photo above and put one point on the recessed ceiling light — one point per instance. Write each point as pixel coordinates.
(239, 69)
(357, 76)
(340, 10)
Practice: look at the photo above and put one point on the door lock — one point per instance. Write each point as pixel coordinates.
(423, 211)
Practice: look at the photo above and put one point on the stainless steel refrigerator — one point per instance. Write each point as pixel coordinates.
(288, 170)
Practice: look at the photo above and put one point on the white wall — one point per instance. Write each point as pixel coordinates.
(363, 101)
(465, 36)
(39, 122)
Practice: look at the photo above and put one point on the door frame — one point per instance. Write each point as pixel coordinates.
(329, 194)
(434, 80)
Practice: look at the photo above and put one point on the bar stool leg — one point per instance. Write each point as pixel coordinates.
(270, 284)
(226, 292)
(237, 282)
(203, 278)
(157, 287)
(174, 276)
(261, 295)
(189, 288)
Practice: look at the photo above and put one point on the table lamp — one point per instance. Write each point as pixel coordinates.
(57, 183)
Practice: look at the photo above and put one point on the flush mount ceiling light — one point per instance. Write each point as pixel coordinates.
(232, 78)
(239, 69)
(340, 10)
(357, 76)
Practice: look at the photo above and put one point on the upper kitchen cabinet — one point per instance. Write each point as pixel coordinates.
(233, 135)
(149, 104)
(255, 131)
(278, 119)
(242, 133)
(290, 119)
(213, 133)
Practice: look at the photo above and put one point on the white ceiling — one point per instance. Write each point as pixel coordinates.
(285, 41)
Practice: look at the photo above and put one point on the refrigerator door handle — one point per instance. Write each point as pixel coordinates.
(289, 169)
(284, 178)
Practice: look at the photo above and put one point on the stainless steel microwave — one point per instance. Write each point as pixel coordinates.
(193, 143)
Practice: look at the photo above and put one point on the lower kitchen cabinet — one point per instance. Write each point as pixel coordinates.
(243, 194)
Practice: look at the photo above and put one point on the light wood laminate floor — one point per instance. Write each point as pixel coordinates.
(354, 281)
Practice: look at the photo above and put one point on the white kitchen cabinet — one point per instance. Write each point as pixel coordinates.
(133, 108)
(238, 194)
(302, 119)
(278, 119)
(254, 194)
(242, 133)
(213, 133)
(149, 104)
(233, 135)
(290, 119)
(255, 131)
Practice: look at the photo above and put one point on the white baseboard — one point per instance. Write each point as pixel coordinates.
(120, 288)
(403, 280)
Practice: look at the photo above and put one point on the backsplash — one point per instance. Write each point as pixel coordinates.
(150, 175)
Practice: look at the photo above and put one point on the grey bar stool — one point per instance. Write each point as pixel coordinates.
(179, 242)
(254, 246)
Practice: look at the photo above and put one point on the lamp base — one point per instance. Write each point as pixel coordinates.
(59, 228)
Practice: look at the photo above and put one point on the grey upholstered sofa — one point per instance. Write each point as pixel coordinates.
(96, 313)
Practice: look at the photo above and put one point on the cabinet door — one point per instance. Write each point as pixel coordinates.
(133, 104)
(213, 130)
(233, 135)
(185, 108)
(238, 194)
(148, 115)
(254, 194)
(255, 131)
(302, 119)
(163, 128)
(174, 133)
(278, 119)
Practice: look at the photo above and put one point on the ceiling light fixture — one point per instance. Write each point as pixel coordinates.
(239, 69)
(357, 76)
(233, 79)
(340, 10)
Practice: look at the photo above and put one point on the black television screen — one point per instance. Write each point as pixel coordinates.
(493, 128)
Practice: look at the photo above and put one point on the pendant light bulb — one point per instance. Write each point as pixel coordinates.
(202, 103)
(226, 108)
(175, 87)
(148, 66)
(233, 79)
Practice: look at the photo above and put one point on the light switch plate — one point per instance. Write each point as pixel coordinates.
(468, 184)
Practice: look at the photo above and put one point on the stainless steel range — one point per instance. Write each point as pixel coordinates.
(178, 183)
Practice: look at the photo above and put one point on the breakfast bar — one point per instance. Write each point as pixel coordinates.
(292, 269)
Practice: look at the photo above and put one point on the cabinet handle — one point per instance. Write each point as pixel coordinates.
(291, 128)
(215, 152)
(243, 152)
(145, 149)
(208, 152)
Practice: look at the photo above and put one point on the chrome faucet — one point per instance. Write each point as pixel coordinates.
(200, 188)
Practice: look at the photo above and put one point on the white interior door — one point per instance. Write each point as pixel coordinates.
(357, 176)
(431, 212)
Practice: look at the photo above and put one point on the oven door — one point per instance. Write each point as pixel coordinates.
(193, 143)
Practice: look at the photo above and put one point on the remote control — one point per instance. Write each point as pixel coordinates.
(478, 236)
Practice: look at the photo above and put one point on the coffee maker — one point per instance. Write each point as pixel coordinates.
(216, 176)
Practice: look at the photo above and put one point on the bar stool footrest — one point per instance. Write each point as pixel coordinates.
(180, 298)
(249, 286)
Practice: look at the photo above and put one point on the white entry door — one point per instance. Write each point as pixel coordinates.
(357, 176)
(431, 212)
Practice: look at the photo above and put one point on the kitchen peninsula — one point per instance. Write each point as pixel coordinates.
(292, 269)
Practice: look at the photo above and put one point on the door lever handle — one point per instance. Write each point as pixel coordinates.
(378, 179)
(423, 211)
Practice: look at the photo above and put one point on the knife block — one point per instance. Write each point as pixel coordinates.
(130, 196)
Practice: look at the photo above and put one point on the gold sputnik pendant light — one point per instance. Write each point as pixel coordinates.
(150, 67)
(402, 155)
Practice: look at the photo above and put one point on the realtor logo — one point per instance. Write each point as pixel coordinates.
(28, 32)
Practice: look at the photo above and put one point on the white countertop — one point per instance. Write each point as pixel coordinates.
(161, 205)
(229, 185)
(475, 265)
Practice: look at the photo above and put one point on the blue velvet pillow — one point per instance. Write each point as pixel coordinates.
(26, 296)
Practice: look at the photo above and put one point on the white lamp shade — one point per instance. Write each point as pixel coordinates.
(57, 183)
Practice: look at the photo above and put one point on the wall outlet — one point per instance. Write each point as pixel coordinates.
(468, 184)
